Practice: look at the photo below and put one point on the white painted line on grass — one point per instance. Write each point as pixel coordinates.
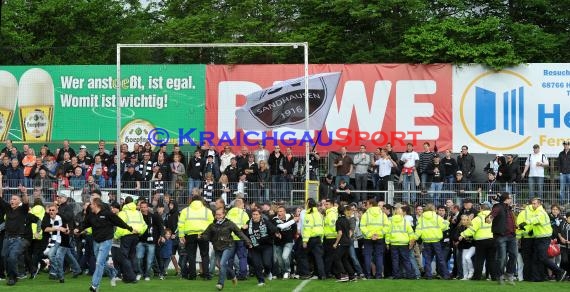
(300, 287)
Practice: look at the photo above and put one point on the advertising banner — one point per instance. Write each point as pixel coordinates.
(374, 104)
(511, 110)
(53, 103)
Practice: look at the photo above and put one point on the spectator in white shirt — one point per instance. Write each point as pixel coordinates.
(535, 164)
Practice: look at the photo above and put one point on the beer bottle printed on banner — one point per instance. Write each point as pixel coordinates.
(8, 97)
(36, 101)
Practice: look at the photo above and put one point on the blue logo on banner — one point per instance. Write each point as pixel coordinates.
(486, 110)
(490, 115)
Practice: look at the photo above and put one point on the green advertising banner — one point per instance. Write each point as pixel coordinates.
(52, 103)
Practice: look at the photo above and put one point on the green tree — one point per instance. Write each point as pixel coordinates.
(71, 32)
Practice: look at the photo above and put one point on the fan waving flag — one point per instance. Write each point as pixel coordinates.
(283, 105)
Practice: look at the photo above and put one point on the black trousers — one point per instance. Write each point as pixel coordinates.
(193, 243)
(2, 268)
(485, 252)
(315, 248)
(329, 255)
(541, 260)
(300, 256)
(526, 254)
(129, 256)
(262, 261)
(342, 262)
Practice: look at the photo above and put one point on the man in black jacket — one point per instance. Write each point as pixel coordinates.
(195, 166)
(18, 232)
(564, 166)
(512, 175)
(103, 223)
(466, 163)
(503, 227)
(220, 234)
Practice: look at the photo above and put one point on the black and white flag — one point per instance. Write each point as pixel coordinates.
(283, 104)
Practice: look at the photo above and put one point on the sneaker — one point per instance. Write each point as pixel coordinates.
(62, 281)
(270, 277)
(285, 276)
(75, 275)
(22, 276)
(93, 289)
(234, 281)
(161, 277)
(314, 278)
(11, 282)
(561, 276)
(343, 278)
(147, 278)
(139, 277)
(295, 276)
(219, 287)
(260, 284)
(113, 282)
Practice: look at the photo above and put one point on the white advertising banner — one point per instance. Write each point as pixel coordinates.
(509, 111)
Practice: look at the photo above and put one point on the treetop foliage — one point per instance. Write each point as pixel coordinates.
(490, 32)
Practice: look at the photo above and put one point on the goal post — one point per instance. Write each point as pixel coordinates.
(294, 45)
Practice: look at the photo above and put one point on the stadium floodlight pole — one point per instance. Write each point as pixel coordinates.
(296, 45)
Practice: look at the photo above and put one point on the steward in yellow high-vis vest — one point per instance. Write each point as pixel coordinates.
(485, 248)
(38, 210)
(399, 232)
(312, 232)
(194, 219)
(400, 237)
(329, 232)
(313, 226)
(192, 222)
(479, 228)
(133, 217)
(430, 229)
(538, 219)
(238, 216)
(524, 233)
(373, 224)
(523, 230)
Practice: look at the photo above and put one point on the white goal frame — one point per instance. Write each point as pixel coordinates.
(305, 46)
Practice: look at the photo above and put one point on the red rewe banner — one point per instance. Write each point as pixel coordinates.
(374, 104)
